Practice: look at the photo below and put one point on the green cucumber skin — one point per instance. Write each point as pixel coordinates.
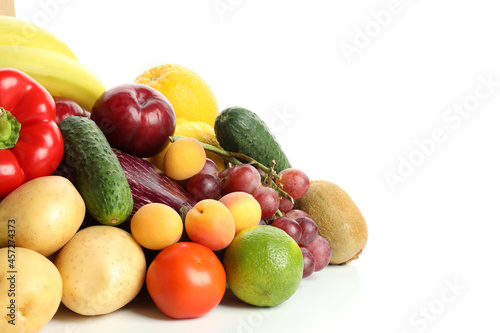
(97, 173)
(240, 130)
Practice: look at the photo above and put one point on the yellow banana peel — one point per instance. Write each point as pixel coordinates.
(16, 31)
(59, 74)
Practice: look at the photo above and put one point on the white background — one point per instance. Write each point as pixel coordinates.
(351, 118)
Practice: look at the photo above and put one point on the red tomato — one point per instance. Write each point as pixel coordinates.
(186, 280)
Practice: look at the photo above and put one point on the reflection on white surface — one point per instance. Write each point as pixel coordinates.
(335, 293)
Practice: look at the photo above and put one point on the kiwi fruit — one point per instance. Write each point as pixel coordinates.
(338, 218)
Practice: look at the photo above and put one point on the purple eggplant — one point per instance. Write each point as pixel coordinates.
(150, 185)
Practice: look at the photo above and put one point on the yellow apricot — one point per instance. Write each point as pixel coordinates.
(156, 226)
(184, 158)
(245, 209)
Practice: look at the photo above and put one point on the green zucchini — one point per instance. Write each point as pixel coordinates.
(96, 171)
(240, 130)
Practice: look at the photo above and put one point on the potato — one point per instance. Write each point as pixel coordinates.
(102, 268)
(45, 213)
(30, 290)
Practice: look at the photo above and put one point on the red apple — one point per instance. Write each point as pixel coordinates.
(66, 107)
(135, 118)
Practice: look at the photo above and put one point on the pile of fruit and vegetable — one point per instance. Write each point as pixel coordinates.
(147, 187)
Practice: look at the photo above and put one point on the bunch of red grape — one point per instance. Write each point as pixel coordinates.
(315, 249)
(277, 209)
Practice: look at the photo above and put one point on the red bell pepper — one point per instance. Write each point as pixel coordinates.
(31, 144)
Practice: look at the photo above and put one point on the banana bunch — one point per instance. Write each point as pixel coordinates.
(37, 52)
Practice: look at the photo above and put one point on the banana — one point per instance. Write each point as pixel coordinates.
(60, 75)
(15, 31)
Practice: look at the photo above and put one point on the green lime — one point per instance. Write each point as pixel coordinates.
(263, 265)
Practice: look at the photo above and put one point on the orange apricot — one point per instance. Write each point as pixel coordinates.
(156, 226)
(184, 158)
(210, 223)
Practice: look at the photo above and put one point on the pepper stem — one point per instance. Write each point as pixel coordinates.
(9, 129)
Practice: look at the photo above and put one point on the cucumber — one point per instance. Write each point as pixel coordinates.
(240, 130)
(96, 171)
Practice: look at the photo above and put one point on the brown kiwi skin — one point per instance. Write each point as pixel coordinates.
(338, 218)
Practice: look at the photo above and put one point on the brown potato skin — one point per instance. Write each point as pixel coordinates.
(46, 211)
(103, 268)
(36, 295)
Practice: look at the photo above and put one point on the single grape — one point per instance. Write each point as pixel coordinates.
(309, 230)
(295, 182)
(308, 262)
(224, 173)
(243, 178)
(291, 227)
(285, 205)
(204, 186)
(261, 172)
(224, 179)
(321, 251)
(296, 213)
(210, 168)
(268, 199)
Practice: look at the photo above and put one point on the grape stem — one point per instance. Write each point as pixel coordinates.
(235, 159)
